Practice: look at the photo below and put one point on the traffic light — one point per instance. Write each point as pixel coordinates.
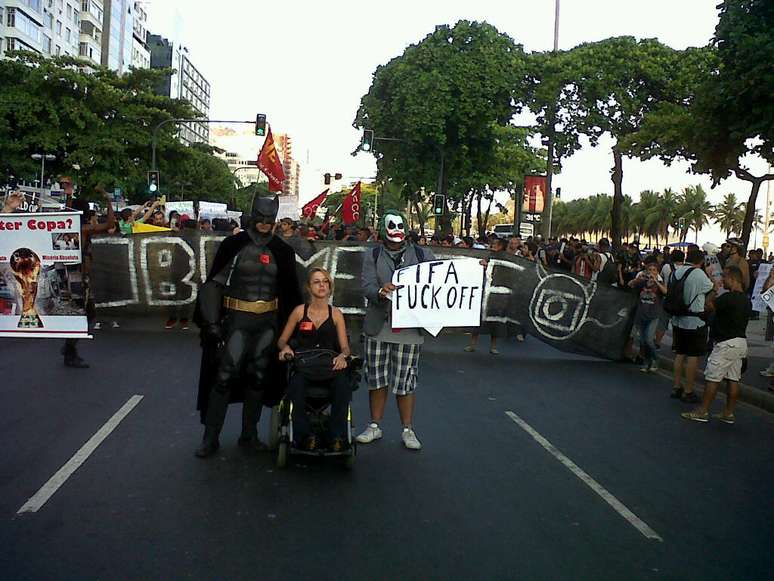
(439, 204)
(558, 194)
(367, 142)
(337, 176)
(260, 124)
(153, 181)
(327, 179)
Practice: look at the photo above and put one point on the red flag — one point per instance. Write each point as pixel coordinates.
(351, 207)
(269, 163)
(310, 208)
(534, 194)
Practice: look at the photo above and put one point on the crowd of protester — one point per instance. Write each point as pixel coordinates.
(715, 283)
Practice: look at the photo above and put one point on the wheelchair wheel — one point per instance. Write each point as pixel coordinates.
(349, 461)
(274, 426)
(282, 455)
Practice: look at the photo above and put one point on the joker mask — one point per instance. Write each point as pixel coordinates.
(394, 227)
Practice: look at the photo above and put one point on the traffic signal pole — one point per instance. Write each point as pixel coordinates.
(155, 137)
(549, 209)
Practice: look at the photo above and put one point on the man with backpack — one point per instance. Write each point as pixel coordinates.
(676, 259)
(687, 289)
(391, 355)
(606, 267)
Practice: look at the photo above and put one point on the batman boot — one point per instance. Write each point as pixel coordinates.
(251, 413)
(213, 423)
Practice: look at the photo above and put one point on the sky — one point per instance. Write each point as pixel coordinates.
(307, 63)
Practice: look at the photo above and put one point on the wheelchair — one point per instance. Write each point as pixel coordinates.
(318, 410)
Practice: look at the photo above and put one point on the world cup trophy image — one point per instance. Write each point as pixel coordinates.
(25, 265)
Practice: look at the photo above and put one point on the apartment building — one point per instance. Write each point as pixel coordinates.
(117, 35)
(48, 27)
(112, 33)
(284, 144)
(140, 50)
(184, 82)
(92, 18)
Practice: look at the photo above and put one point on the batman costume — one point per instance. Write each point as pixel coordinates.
(251, 289)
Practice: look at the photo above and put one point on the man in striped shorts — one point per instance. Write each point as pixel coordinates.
(391, 355)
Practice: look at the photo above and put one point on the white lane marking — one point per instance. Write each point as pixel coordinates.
(617, 505)
(49, 488)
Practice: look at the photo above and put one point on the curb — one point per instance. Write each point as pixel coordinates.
(750, 395)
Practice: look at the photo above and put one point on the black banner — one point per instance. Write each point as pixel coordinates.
(153, 273)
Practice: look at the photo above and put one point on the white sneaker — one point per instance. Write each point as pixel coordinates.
(768, 372)
(115, 325)
(97, 326)
(371, 433)
(410, 439)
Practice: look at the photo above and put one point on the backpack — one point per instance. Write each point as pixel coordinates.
(674, 302)
(609, 273)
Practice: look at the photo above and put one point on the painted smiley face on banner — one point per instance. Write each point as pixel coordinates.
(394, 228)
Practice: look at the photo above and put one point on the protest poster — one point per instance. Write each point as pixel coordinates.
(437, 294)
(212, 210)
(767, 299)
(36, 295)
(181, 208)
(288, 207)
(758, 303)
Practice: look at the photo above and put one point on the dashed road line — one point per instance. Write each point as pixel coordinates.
(42, 496)
(617, 505)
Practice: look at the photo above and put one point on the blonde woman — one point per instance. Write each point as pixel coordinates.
(318, 325)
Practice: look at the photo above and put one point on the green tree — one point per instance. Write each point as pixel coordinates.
(98, 125)
(444, 101)
(664, 213)
(727, 112)
(614, 84)
(643, 209)
(729, 215)
(694, 209)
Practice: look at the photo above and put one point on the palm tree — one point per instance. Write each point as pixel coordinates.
(695, 210)
(642, 209)
(729, 215)
(663, 214)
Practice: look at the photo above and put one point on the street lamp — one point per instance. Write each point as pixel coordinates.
(43, 158)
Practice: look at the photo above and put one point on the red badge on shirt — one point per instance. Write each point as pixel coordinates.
(265, 259)
(306, 326)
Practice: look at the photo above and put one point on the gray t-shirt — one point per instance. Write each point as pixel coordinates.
(696, 288)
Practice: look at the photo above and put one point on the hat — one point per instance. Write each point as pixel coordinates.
(185, 218)
(710, 249)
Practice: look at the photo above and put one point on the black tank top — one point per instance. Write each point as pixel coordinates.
(308, 336)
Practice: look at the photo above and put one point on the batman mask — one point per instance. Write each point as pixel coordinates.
(264, 210)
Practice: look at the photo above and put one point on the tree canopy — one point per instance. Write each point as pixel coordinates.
(441, 113)
(98, 125)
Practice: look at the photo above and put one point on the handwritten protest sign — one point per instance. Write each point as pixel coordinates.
(758, 303)
(35, 291)
(212, 210)
(767, 298)
(437, 294)
(180, 207)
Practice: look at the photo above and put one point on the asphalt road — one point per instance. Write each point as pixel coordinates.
(482, 500)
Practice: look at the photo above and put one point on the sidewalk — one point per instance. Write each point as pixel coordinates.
(754, 389)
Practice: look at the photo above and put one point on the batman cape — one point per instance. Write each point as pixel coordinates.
(288, 297)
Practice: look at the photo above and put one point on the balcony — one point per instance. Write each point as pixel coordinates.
(91, 13)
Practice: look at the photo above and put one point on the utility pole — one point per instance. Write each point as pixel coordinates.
(550, 154)
(766, 214)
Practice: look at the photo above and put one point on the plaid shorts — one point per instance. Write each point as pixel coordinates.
(391, 365)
